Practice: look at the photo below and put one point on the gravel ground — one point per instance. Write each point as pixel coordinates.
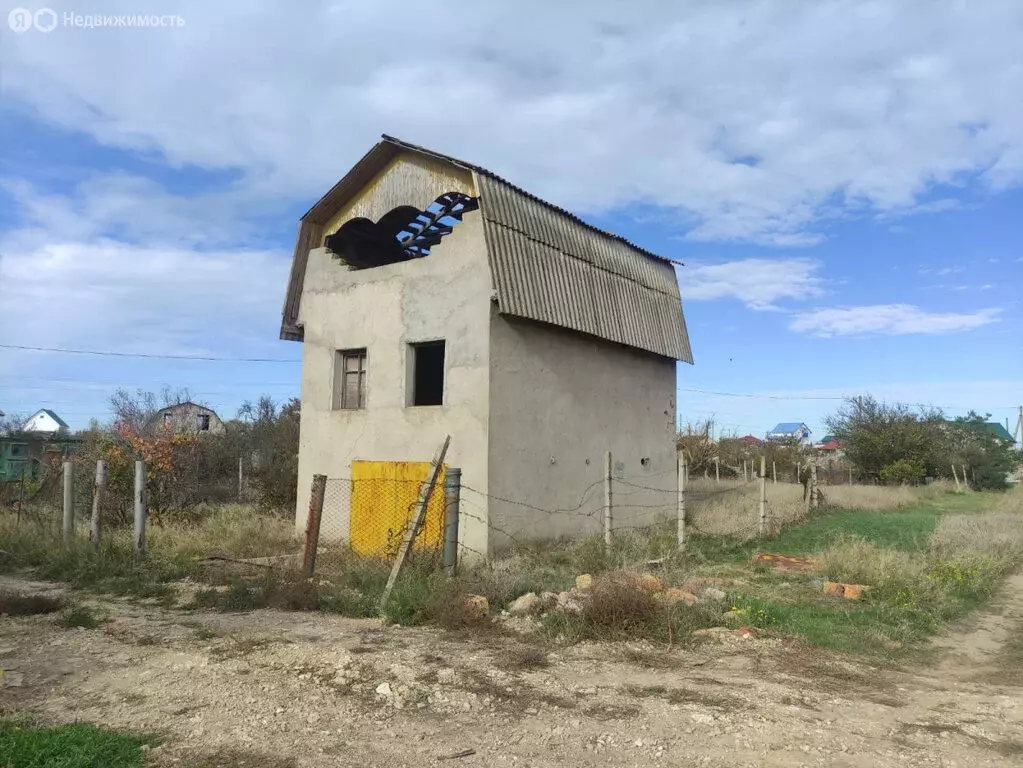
(268, 689)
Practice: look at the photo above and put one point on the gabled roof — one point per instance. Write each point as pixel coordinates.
(999, 431)
(751, 439)
(60, 422)
(175, 406)
(547, 265)
(787, 428)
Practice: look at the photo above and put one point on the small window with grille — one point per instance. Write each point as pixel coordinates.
(349, 379)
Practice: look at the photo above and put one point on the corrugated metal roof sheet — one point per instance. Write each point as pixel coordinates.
(547, 264)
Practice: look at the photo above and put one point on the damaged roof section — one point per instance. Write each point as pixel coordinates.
(547, 265)
(403, 233)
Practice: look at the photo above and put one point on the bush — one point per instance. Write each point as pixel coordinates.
(902, 472)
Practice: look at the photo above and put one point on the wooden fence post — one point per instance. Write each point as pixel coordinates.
(681, 510)
(717, 470)
(955, 476)
(68, 527)
(241, 478)
(764, 526)
(814, 490)
(425, 491)
(98, 488)
(774, 472)
(312, 525)
(140, 508)
(608, 510)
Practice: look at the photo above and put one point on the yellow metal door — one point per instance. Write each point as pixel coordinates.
(384, 496)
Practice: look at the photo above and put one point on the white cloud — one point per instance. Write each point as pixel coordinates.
(888, 319)
(696, 107)
(114, 296)
(758, 283)
(131, 208)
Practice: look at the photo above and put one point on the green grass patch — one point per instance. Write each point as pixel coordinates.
(68, 746)
(925, 565)
(908, 530)
(81, 617)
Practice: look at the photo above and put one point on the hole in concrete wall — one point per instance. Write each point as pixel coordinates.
(645, 461)
(403, 233)
(427, 373)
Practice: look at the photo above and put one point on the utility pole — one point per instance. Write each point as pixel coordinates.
(1018, 434)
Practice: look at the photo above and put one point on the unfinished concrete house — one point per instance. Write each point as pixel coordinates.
(434, 298)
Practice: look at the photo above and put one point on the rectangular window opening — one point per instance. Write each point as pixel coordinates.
(427, 373)
(204, 422)
(350, 379)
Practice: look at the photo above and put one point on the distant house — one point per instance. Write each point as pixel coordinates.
(187, 419)
(44, 421)
(790, 430)
(751, 440)
(1000, 432)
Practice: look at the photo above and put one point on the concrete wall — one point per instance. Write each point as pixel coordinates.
(443, 296)
(183, 419)
(559, 401)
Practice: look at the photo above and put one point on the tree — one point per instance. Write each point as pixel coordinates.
(694, 441)
(876, 435)
(135, 411)
(988, 458)
(271, 434)
(12, 423)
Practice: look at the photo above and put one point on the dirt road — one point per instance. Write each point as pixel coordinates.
(269, 689)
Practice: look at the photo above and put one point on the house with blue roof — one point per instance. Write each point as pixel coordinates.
(790, 430)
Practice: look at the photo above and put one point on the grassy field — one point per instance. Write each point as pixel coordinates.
(927, 563)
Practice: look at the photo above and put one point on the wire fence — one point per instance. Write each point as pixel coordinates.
(362, 529)
(370, 516)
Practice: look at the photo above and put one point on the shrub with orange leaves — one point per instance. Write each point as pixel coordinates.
(166, 455)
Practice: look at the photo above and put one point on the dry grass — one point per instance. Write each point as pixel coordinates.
(996, 535)
(732, 508)
(232, 530)
(855, 561)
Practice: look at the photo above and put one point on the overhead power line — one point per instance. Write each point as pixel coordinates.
(826, 397)
(109, 353)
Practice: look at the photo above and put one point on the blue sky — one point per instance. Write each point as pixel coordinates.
(843, 180)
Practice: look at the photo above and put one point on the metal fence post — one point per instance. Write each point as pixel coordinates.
(607, 502)
(452, 492)
(97, 498)
(140, 508)
(68, 527)
(312, 526)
